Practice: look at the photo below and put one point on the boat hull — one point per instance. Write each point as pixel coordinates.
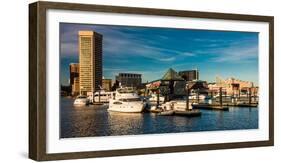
(81, 103)
(126, 107)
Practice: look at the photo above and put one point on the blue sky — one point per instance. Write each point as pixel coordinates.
(151, 51)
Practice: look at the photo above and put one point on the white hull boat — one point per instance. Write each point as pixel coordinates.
(194, 97)
(81, 101)
(126, 101)
(153, 99)
(126, 107)
(180, 105)
(100, 96)
(176, 105)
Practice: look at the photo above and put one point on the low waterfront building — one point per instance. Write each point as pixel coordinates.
(233, 87)
(198, 87)
(129, 79)
(171, 85)
(189, 75)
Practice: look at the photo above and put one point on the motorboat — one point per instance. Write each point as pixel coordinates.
(153, 99)
(100, 96)
(126, 100)
(81, 100)
(176, 105)
(195, 97)
(180, 105)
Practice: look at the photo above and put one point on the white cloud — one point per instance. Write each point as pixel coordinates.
(236, 54)
(188, 54)
(69, 49)
(167, 59)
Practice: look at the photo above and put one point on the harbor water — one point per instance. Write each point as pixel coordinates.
(95, 120)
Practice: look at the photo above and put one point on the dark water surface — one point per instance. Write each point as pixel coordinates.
(97, 121)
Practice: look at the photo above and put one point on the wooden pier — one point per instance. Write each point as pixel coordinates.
(236, 104)
(210, 107)
(99, 103)
(246, 105)
(154, 111)
(166, 113)
(189, 113)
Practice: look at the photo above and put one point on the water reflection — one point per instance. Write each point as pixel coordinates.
(124, 123)
(97, 121)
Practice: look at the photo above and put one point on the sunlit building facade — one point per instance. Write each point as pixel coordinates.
(107, 84)
(90, 61)
(129, 79)
(189, 75)
(74, 77)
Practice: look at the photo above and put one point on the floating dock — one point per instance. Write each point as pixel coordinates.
(210, 107)
(247, 105)
(189, 113)
(166, 113)
(98, 103)
(154, 111)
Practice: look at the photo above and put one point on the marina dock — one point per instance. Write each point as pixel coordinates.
(210, 107)
(99, 103)
(189, 113)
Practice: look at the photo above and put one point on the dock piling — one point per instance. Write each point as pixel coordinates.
(158, 98)
(239, 94)
(250, 96)
(99, 96)
(221, 96)
(187, 98)
(197, 96)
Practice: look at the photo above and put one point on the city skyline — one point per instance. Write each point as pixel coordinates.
(151, 51)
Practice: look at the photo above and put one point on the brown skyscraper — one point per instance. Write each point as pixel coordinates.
(74, 78)
(90, 61)
(74, 72)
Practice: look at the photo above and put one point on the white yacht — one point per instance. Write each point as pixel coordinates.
(126, 100)
(176, 105)
(180, 105)
(153, 99)
(194, 97)
(81, 100)
(99, 96)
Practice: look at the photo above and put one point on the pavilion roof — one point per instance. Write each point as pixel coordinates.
(171, 75)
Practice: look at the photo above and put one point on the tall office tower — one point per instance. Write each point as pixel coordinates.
(90, 61)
